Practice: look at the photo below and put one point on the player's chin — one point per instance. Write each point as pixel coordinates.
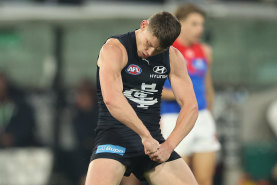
(195, 40)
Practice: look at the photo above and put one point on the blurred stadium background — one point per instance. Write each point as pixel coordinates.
(48, 49)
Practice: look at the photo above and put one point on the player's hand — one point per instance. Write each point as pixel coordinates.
(150, 144)
(162, 154)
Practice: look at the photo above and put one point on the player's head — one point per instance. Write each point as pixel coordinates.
(157, 34)
(192, 19)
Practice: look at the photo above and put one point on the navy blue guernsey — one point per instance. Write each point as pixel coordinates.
(143, 80)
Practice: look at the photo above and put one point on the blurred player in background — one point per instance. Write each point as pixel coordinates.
(17, 120)
(199, 147)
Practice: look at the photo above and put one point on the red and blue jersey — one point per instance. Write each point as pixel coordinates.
(197, 68)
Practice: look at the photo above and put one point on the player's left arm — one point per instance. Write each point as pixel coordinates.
(183, 90)
(208, 78)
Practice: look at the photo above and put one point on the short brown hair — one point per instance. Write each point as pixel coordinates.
(183, 11)
(165, 27)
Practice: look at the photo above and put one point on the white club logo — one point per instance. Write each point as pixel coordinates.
(160, 69)
(144, 97)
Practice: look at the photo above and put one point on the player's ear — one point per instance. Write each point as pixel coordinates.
(144, 24)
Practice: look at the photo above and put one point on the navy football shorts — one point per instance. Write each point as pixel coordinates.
(124, 145)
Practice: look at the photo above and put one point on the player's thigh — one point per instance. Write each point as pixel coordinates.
(105, 172)
(131, 180)
(203, 165)
(174, 172)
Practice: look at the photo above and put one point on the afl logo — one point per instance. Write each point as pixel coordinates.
(133, 69)
(160, 69)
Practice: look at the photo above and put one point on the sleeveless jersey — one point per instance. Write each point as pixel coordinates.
(143, 80)
(197, 67)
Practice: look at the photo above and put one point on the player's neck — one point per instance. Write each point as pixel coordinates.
(183, 40)
(137, 32)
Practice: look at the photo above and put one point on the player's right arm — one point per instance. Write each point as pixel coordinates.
(112, 59)
(185, 97)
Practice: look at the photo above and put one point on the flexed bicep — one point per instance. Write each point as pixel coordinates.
(180, 81)
(110, 63)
